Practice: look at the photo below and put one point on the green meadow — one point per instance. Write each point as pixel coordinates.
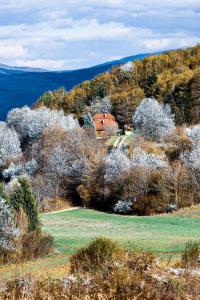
(163, 234)
(166, 235)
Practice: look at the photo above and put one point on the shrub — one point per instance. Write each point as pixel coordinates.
(177, 143)
(139, 260)
(123, 206)
(36, 244)
(191, 255)
(98, 255)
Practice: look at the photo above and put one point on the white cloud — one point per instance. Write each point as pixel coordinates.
(170, 43)
(48, 64)
(66, 34)
(13, 51)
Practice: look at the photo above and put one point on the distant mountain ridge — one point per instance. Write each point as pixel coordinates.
(23, 85)
(23, 69)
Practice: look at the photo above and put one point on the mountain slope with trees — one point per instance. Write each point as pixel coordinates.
(22, 86)
(172, 77)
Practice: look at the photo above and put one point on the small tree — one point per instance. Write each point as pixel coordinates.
(192, 159)
(194, 133)
(89, 124)
(153, 120)
(101, 106)
(24, 198)
(8, 231)
(9, 143)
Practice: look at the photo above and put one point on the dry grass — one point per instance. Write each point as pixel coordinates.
(124, 275)
(55, 266)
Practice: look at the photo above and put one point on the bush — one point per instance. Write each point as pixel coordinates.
(191, 255)
(99, 254)
(36, 244)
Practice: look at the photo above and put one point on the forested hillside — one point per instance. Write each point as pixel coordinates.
(172, 77)
(23, 86)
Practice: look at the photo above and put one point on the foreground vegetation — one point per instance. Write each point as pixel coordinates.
(106, 270)
(164, 235)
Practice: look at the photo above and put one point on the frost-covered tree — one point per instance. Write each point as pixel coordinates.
(8, 231)
(89, 124)
(16, 170)
(64, 159)
(123, 206)
(116, 163)
(127, 67)
(88, 121)
(194, 133)
(9, 143)
(64, 162)
(153, 120)
(192, 158)
(100, 106)
(148, 160)
(31, 123)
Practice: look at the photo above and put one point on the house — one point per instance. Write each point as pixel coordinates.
(105, 125)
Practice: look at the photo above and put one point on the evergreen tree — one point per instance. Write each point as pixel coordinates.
(151, 86)
(89, 124)
(47, 99)
(195, 99)
(24, 198)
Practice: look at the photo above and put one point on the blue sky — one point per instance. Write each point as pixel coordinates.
(71, 34)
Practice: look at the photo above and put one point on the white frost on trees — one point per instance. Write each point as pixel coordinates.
(64, 162)
(9, 143)
(192, 158)
(123, 206)
(116, 163)
(16, 170)
(148, 160)
(101, 106)
(8, 231)
(153, 120)
(194, 133)
(127, 67)
(31, 123)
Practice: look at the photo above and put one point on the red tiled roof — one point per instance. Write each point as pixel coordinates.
(104, 121)
(104, 116)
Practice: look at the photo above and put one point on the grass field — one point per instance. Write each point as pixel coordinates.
(163, 234)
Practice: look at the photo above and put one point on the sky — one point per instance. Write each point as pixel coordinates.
(73, 34)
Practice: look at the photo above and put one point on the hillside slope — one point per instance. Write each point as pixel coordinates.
(20, 86)
(172, 77)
